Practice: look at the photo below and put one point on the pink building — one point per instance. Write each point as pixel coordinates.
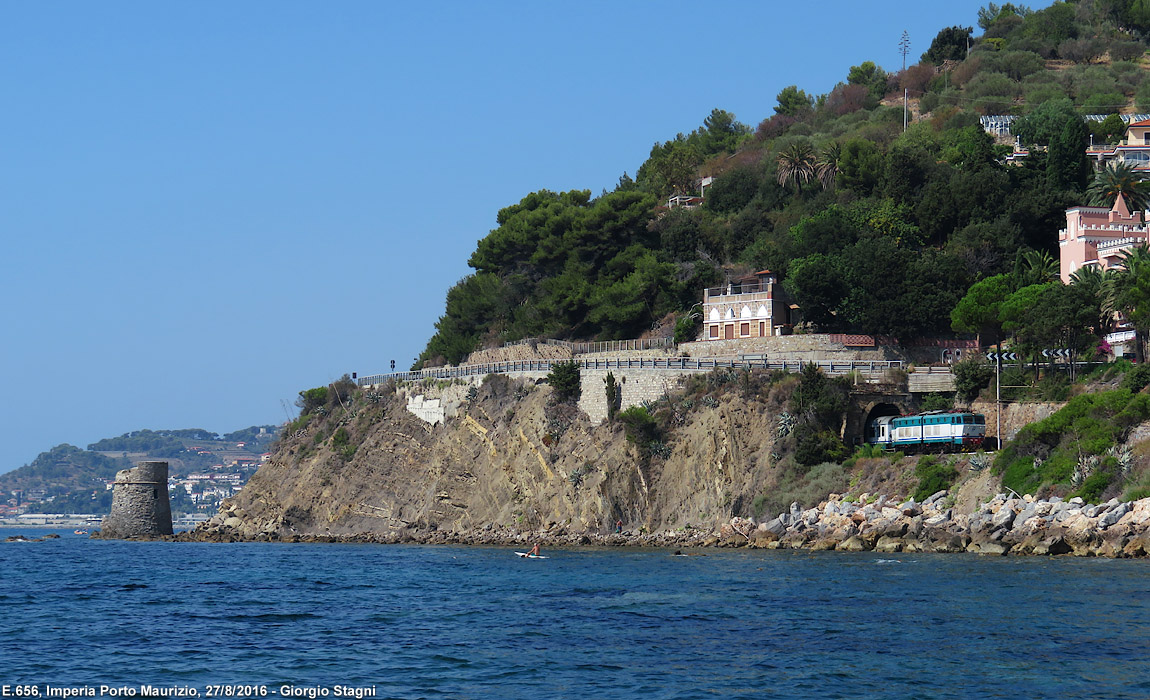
(1098, 236)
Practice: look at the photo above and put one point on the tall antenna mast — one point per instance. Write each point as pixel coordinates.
(904, 49)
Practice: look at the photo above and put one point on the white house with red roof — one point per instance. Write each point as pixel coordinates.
(1097, 236)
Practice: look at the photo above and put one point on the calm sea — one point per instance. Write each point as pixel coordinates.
(455, 622)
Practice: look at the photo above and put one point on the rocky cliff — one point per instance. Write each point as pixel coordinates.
(511, 461)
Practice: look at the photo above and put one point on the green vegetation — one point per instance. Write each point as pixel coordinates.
(1074, 446)
(870, 229)
(937, 402)
(158, 444)
(611, 389)
(564, 379)
(819, 405)
(341, 443)
(66, 479)
(640, 427)
(323, 399)
(807, 489)
(933, 476)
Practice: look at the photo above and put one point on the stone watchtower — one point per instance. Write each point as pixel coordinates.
(140, 506)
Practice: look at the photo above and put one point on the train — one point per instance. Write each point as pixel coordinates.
(932, 430)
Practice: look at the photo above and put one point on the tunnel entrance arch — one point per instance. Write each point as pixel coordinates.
(878, 410)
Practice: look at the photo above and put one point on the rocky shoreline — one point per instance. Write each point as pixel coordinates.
(1003, 525)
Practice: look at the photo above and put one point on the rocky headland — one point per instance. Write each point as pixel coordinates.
(514, 469)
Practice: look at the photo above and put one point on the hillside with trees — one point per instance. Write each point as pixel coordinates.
(67, 479)
(871, 228)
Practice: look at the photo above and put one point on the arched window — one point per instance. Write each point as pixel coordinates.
(746, 312)
(730, 314)
(763, 311)
(714, 315)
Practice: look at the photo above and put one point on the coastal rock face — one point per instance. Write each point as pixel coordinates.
(140, 506)
(509, 463)
(510, 468)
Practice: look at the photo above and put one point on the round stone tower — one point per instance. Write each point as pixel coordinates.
(140, 506)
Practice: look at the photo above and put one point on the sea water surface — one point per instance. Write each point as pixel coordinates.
(478, 622)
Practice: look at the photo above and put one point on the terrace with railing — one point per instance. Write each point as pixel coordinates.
(870, 371)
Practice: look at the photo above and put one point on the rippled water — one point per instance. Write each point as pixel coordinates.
(454, 622)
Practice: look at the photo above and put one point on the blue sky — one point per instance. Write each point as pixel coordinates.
(207, 207)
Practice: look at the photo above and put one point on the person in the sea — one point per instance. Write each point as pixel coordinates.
(534, 550)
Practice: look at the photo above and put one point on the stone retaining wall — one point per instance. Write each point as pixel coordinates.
(1015, 416)
(636, 387)
(810, 348)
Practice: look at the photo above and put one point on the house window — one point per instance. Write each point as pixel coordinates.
(744, 329)
(714, 331)
(729, 331)
(762, 329)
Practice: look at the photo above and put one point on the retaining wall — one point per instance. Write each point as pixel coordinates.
(809, 348)
(635, 388)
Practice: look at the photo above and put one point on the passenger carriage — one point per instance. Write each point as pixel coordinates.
(933, 430)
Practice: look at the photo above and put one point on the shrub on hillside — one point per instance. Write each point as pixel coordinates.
(311, 399)
(933, 477)
(818, 446)
(1136, 378)
(971, 376)
(564, 380)
(819, 404)
(1047, 452)
(1126, 50)
(687, 328)
(640, 426)
(937, 402)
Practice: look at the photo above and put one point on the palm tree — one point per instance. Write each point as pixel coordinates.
(1033, 267)
(1119, 178)
(827, 166)
(1096, 281)
(1127, 292)
(796, 164)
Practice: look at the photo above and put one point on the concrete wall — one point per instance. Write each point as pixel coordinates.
(636, 386)
(140, 506)
(433, 402)
(923, 382)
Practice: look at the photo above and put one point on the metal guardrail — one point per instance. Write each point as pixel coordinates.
(683, 364)
(584, 348)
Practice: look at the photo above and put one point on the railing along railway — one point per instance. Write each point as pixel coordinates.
(683, 364)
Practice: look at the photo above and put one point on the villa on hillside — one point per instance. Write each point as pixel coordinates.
(1097, 236)
(752, 307)
(1133, 149)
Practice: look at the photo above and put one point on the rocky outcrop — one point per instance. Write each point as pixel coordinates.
(512, 468)
(511, 462)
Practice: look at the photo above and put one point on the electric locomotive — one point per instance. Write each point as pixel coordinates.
(932, 430)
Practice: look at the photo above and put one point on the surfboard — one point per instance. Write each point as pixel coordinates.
(528, 555)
